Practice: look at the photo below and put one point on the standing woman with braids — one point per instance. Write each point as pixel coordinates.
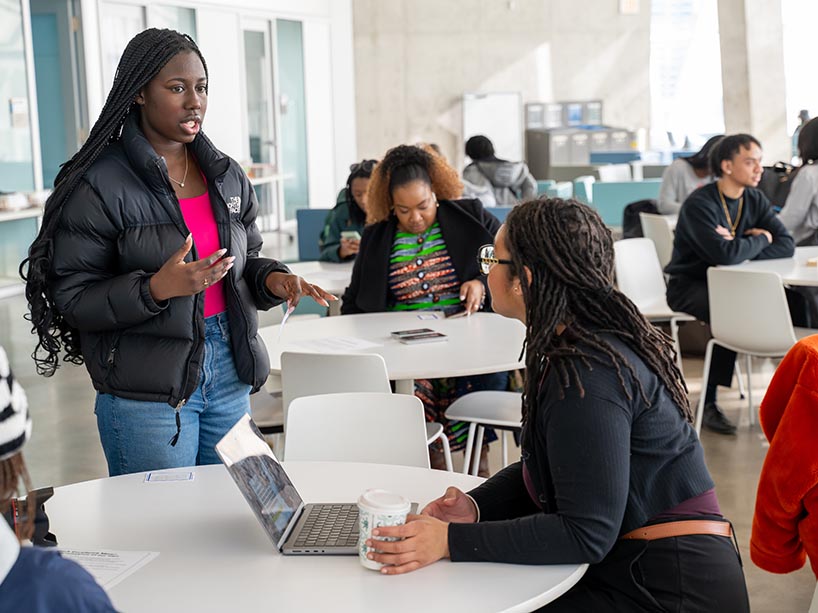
(147, 267)
(417, 253)
(612, 473)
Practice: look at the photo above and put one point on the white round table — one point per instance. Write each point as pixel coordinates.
(793, 271)
(214, 556)
(331, 276)
(479, 344)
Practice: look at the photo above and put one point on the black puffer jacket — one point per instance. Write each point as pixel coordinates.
(119, 226)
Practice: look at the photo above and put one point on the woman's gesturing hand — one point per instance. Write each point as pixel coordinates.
(180, 278)
(453, 506)
(292, 288)
(425, 540)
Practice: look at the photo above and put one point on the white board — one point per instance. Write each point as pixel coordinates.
(499, 116)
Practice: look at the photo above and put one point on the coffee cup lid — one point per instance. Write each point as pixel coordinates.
(383, 501)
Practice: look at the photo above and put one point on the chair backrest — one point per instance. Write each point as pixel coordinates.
(638, 274)
(748, 309)
(657, 229)
(500, 212)
(543, 186)
(615, 172)
(584, 188)
(310, 224)
(368, 427)
(310, 374)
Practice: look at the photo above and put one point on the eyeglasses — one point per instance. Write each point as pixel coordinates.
(486, 259)
(365, 166)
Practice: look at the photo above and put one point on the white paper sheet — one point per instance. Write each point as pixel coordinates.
(333, 344)
(109, 567)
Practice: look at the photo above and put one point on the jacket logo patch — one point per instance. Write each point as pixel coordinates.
(234, 204)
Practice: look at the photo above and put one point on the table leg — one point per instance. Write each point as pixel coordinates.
(405, 386)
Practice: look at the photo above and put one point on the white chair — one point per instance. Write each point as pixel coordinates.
(749, 315)
(615, 172)
(639, 276)
(657, 229)
(308, 374)
(487, 408)
(379, 428)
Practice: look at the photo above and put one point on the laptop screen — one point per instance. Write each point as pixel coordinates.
(261, 479)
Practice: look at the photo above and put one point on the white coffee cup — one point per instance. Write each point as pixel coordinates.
(378, 508)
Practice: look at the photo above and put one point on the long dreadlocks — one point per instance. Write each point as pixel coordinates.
(569, 252)
(146, 54)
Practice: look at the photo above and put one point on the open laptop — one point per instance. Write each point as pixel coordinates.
(294, 528)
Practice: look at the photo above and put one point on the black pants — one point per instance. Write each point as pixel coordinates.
(696, 573)
(690, 296)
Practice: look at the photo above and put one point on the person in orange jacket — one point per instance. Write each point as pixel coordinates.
(785, 525)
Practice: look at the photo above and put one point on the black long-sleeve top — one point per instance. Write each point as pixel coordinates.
(697, 245)
(601, 464)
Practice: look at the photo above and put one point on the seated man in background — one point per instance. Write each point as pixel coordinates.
(32, 579)
(338, 241)
(511, 182)
(725, 222)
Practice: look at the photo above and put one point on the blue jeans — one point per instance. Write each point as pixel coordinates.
(135, 434)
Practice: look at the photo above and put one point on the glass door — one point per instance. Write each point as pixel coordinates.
(293, 112)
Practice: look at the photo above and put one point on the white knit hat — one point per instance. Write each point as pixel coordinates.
(15, 422)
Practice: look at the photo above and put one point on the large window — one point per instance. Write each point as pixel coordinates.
(799, 18)
(685, 73)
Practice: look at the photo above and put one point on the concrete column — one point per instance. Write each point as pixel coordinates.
(752, 65)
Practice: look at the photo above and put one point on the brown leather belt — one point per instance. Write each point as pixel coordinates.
(680, 528)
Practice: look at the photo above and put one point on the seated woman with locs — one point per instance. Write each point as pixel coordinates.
(349, 215)
(612, 473)
(417, 253)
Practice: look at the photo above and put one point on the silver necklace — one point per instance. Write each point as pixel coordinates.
(182, 182)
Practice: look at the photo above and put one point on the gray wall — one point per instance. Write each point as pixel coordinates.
(415, 58)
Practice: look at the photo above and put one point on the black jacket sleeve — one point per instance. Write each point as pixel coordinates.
(701, 220)
(783, 245)
(85, 290)
(588, 442)
(349, 304)
(257, 268)
(504, 496)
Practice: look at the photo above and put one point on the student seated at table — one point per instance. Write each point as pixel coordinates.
(349, 215)
(612, 472)
(684, 176)
(725, 222)
(32, 579)
(418, 254)
(509, 181)
(800, 212)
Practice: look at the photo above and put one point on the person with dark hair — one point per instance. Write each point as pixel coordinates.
(510, 182)
(684, 176)
(612, 473)
(147, 267)
(32, 579)
(349, 215)
(800, 212)
(417, 253)
(725, 222)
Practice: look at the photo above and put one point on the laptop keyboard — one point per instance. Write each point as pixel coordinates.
(329, 525)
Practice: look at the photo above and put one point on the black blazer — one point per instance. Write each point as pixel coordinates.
(466, 227)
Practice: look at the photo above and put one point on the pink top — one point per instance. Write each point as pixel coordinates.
(199, 218)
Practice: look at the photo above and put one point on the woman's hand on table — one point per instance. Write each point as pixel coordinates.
(292, 288)
(453, 506)
(425, 540)
(472, 295)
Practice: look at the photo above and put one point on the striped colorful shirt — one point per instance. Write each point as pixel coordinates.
(421, 273)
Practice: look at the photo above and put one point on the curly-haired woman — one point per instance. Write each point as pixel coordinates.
(418, 253)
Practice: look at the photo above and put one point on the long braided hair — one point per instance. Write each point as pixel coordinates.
(569, 252)
(146, 54)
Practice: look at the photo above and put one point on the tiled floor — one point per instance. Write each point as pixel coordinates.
(65, 446)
